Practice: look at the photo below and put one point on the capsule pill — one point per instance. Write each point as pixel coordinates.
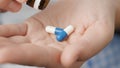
(60, 33)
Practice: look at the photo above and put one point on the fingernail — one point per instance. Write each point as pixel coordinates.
(21, 1)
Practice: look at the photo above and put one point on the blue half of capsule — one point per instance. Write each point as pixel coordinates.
(60, 34)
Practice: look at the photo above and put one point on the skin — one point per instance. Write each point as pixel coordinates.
(11, 5)
(29, 44)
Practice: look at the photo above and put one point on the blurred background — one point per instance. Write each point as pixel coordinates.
(18, 17)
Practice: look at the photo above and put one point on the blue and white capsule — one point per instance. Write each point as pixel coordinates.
(60, 33)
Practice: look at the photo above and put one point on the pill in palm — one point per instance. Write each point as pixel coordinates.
(60, 33)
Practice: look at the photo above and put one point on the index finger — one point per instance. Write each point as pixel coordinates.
(13, 29)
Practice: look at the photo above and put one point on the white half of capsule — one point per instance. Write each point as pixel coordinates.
(50, 29)
(36, 4)
(69, 29)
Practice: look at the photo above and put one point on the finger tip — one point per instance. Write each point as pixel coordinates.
(66, 61)
(17, 8)
(68, 58)
(14, 7)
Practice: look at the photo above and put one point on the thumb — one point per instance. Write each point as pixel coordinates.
(73, 53)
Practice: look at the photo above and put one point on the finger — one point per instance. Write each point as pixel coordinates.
(88, 45)
(10, 5)
(2, 11)
(14, 6)
(13, 29)
(4, 3)
(4, 42)
(24, 54)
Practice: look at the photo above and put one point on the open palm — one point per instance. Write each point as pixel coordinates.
(29, 44)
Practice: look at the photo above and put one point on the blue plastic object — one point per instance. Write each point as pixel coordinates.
(60, 34)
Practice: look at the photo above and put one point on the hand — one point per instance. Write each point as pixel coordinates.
(29, 44)
(11, 5)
